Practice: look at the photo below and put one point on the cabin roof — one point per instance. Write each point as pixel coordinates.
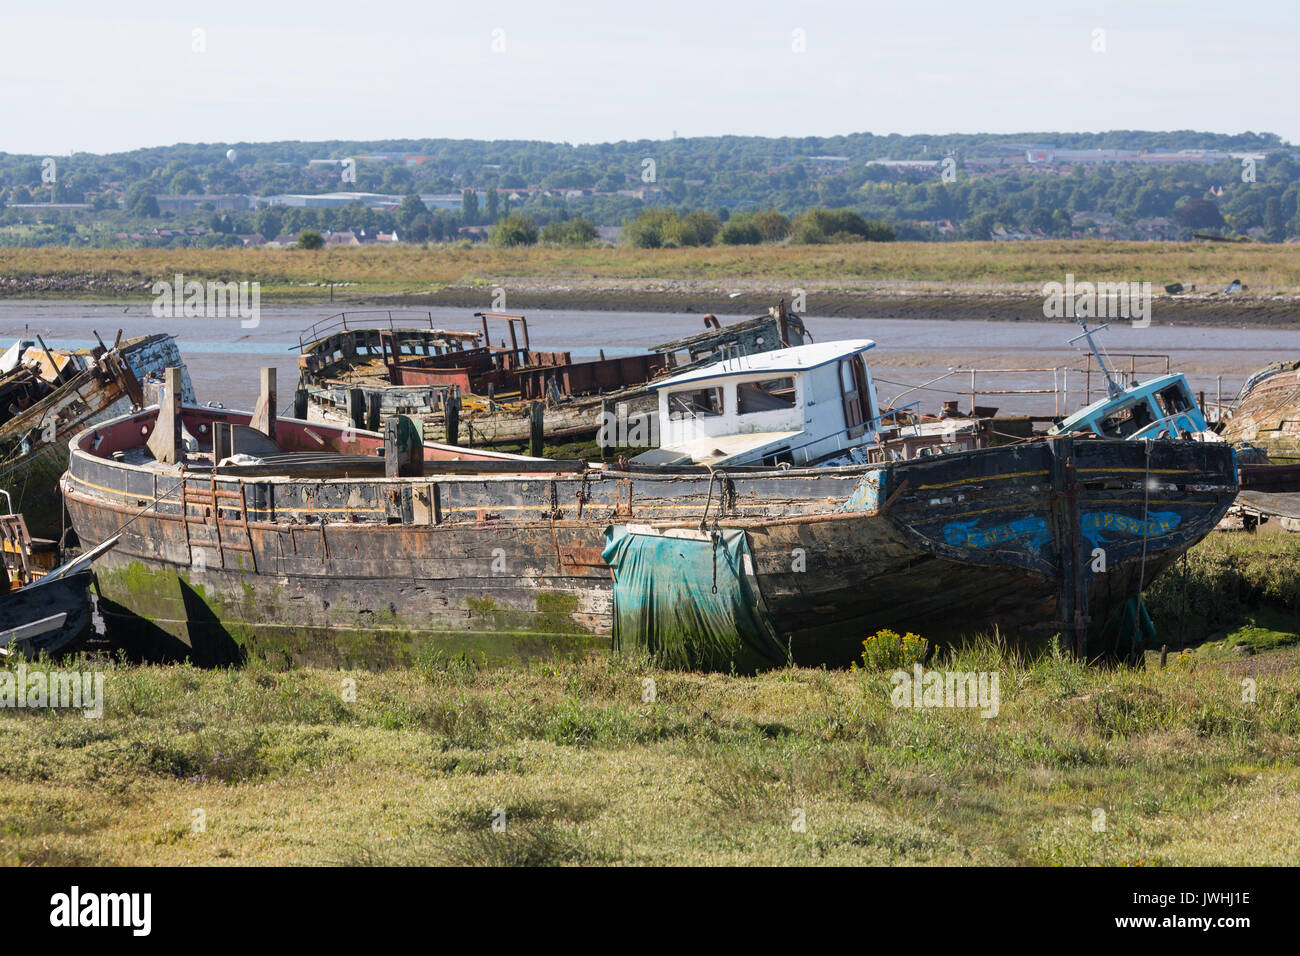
(800, 358)
(1149, 387)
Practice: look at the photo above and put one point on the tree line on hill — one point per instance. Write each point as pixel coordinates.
(736, 190)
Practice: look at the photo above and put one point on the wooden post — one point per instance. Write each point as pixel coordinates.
(536, 433)
(451, 414)
(1164, 654)
(374, 402)
(403, 447)
(357, 407)
(264, 412)
(165, 441)
(300, 404)
(222, 443)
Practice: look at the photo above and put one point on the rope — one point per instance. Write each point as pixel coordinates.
(716, 536)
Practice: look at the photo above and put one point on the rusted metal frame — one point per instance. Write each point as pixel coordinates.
(216, 520)
(252, 552)
(13, 529)
(619, 510)
(185, 517)
(582, 494)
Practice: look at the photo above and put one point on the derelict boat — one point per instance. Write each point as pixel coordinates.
(43, 609)
(356, 369)
(316, 548)
(47, 395)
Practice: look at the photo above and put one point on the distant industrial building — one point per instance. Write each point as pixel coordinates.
(380, 201)
(333, 200)
(1202, 157)
(191, 202)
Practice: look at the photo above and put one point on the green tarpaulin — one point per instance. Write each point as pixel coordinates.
(664, 601)
(1129, 631)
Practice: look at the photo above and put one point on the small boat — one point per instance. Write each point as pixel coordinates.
(1161, 407)
(42, 611)
(357, 370)
(330, 545)
(47, 395)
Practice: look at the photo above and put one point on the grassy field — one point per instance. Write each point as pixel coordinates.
(992, 266)
(1155, 766)
(713, 772)
(1197, 762)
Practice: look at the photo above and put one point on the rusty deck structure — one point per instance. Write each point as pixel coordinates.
(356, 368)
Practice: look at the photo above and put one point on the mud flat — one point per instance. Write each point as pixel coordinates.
(961, 302)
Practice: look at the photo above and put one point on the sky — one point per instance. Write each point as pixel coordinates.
(104, 77)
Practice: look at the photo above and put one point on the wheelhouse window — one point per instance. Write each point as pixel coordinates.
(695, 403)
(1127, 420)
(773, 395)
(1174, 400)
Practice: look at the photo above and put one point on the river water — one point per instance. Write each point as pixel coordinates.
(224, 358)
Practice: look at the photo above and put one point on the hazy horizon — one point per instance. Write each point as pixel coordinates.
(592, 73)
(953, 133)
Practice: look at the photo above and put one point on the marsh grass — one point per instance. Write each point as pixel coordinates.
(289, 273)
(1229, 583)
(713, 771)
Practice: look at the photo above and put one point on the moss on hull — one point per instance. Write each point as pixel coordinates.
(215, 618)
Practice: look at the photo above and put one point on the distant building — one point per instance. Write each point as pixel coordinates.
(194, 201)
(905, 163)
(441, 200)
(334, 200)
(47, 206)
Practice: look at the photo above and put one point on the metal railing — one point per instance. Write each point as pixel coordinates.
(1125, 380)
(364, 319)
(1060, 389)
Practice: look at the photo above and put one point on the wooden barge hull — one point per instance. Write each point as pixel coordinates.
(1267, 414)
(381, 571)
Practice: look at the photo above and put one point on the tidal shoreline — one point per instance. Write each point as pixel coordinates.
(683, 297)
(872, 300)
